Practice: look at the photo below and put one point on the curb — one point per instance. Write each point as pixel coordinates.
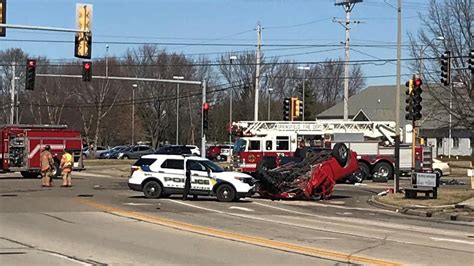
(427, 213)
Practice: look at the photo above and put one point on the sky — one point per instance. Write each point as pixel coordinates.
(214, 27)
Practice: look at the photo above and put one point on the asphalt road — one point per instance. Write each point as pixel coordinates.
(99, 221)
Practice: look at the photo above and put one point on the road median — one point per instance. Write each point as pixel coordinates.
(451, 204)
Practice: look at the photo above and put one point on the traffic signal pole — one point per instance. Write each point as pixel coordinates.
(203, 134)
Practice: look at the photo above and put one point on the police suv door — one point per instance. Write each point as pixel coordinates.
(172, 175)
(200, 180)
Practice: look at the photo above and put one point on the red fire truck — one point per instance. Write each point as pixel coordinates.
(374, 144)
(22, 145)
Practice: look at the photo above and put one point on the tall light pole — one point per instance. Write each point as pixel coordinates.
(304, 68)
(134, 86)
(231, 59)
(348, 6)
(438, 38)
(269, 98)
(107, 60)
(177, 108)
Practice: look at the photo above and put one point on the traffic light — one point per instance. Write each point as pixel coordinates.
(83, 39)
(409, 100)
(446, 68)
(286, 109)
(296, 107)
(30, 74)
(205, 117)
(471, 61)
(417, 99)
(3, 13)
(86, 71)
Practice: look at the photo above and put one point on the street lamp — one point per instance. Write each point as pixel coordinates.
(438, 38)
(231, 59)
(269, 97)
(177, 107)
(134, 86)
(304, 68)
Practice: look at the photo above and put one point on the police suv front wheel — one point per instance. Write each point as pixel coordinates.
(225, 193)
(152, 190)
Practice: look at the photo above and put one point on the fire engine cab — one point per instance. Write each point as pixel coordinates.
(22, 146)
(372, 140)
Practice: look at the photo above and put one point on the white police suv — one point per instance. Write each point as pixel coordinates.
(161, 175)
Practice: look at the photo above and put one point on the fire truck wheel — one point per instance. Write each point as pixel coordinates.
(384, 169)
(225, 193)
(341, 153)
(27, 174)
(56, 171)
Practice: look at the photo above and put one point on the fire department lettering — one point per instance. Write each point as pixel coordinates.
(181, 180)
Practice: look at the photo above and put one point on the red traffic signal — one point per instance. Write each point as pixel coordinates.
(86, 71)
(418, 82)
(205, 106)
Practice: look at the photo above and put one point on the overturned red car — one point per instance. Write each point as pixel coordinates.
(311, 176)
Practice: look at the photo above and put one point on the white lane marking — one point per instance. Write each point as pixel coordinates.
(324, 238)
(323, 229)
(368, 223)
(68, 258)
(241, 208)
(452, 240)
(344, 213)
(332, 206)
(137, 204)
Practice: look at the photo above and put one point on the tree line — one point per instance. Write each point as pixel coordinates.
(102, 109)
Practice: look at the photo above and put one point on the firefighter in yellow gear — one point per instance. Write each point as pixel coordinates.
(66, 166)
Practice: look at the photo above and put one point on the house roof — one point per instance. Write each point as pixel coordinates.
(377, 103)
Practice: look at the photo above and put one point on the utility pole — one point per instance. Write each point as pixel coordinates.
(396, 181)
(12, 95)
(257, 75)
(348, 6)
(232, 57)
(203, 134)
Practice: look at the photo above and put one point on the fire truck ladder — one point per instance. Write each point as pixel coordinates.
(370, 129)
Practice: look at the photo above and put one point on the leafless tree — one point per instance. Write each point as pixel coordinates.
(452, 20)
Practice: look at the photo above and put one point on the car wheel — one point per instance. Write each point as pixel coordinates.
(438, 173)
(152, 190)
(384, 169)
(125, 157)
(341, 153)
(219, 158)
(225, 193)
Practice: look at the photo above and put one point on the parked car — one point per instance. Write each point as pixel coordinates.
(86, 153)
(219, 152)
(107, 154)
(161, 175)
(135, 152)
(441, 168)
(214, 152)
(194, 149)
(226, 151)
(174, 149)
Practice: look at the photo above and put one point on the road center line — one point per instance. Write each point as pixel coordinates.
(241, 208)
(283, 246)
